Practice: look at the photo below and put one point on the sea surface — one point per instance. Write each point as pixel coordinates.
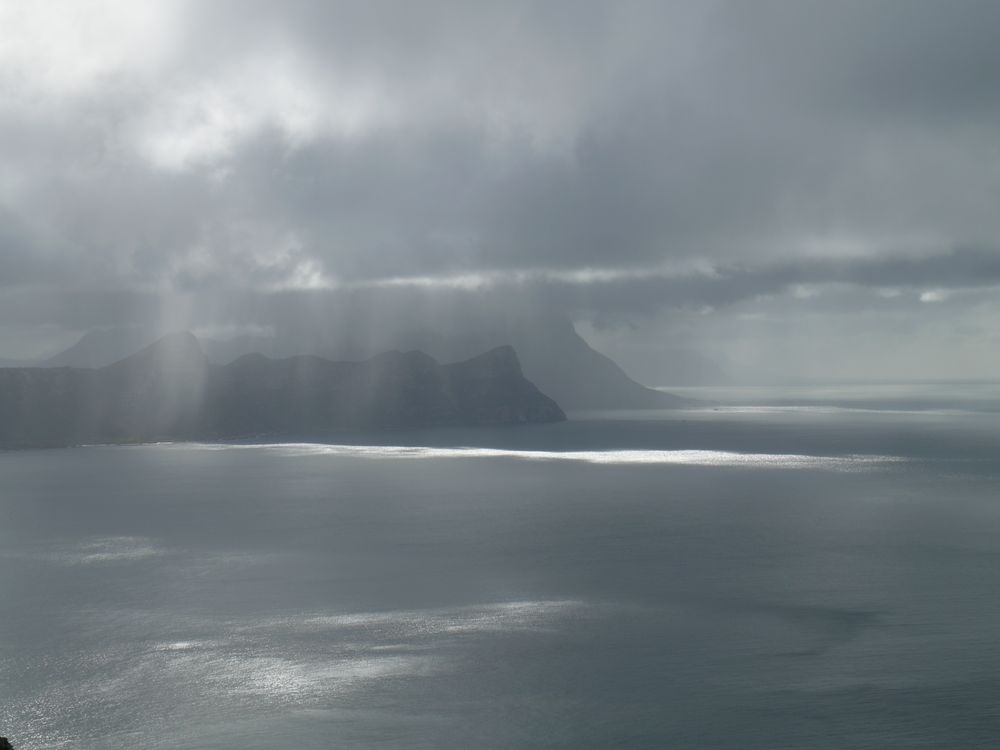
(809, 568)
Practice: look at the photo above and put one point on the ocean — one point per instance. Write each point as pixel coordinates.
(806, 568)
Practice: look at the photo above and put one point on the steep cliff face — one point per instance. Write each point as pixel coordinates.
(170, 391)
(560, 362)
(491, 389)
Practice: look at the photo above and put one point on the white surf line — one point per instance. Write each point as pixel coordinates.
(604, 457)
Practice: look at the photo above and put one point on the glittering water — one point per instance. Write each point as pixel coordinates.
(715, 578)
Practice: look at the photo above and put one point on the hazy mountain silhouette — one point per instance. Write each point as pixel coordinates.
(98, 347)
(553, 355)
(556, 358)
(170, 390)
(101, 347)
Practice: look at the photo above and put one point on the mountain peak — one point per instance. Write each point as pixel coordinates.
(100, 347)
(176, 349)
(499, 361)
(174, 362)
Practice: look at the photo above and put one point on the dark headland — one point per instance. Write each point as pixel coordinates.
(552, 354)
(170, 391)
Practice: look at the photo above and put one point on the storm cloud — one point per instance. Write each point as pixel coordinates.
(641, 166)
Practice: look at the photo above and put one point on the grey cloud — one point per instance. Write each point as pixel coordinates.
(883, 282)
(898, 58)
(296, 144)
(726, 285)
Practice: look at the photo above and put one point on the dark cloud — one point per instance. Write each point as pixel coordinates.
(185, 161)
(881, 283)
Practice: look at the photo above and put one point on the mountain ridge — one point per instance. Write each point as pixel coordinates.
(170, 390)
(554, 356)
(552, 353)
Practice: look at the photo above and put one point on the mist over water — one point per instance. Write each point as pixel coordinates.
(722, 579)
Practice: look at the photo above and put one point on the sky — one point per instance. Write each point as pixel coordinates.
(805, 188)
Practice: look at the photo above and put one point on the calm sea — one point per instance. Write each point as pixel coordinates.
(773, 570)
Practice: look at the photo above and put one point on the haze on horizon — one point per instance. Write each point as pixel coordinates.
(802, 188)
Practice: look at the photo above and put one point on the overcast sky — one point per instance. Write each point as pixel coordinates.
(805, 186)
